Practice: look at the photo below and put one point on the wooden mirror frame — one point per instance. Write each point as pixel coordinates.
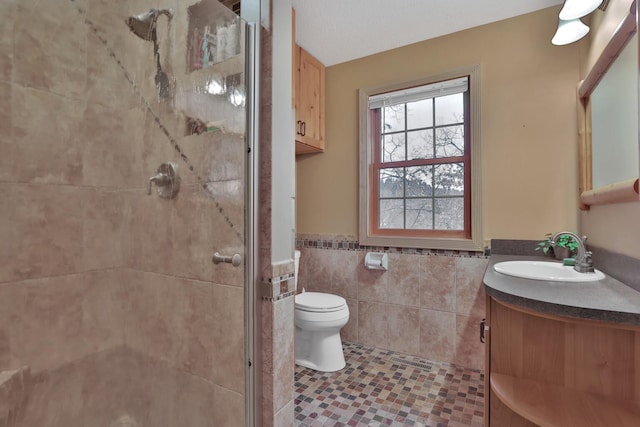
(618, 192)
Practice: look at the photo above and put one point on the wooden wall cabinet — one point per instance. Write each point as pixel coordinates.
(309, 102)
(550, 370)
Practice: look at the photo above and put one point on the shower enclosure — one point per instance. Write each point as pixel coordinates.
(124, 168)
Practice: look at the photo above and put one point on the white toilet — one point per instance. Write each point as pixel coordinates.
(318, 319)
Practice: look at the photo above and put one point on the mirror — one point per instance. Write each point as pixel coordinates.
(614, 120)
(608, 121)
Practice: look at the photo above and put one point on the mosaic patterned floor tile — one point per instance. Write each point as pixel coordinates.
(385, 388)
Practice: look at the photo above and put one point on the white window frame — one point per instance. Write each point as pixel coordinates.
(475, 243)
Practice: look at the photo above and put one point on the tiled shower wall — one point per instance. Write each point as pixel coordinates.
(427, 304)
(90, 264)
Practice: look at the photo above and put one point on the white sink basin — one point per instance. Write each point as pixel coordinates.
(545, 270)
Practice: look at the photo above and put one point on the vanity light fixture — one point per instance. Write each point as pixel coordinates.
(570, 27)
(574, 9)
(569, 32)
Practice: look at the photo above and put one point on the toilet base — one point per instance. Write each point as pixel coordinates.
(319, 350)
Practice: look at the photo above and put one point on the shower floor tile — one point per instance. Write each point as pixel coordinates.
(385, 388)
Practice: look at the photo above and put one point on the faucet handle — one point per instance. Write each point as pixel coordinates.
(585, 264)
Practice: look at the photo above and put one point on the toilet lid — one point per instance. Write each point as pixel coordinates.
(317, 301)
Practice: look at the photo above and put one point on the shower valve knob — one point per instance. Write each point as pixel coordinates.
(160, 180)
(167, 180)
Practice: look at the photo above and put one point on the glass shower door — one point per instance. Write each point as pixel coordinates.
(124, 171)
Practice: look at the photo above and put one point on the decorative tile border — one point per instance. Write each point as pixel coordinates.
(279, 287)
(352, 244)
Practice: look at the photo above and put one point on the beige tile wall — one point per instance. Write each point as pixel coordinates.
(89, 263)
(278, 362)
(111, 388)
(424, 305)
(276, 330)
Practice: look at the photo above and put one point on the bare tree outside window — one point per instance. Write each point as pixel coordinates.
(420, 169)
(422, 173)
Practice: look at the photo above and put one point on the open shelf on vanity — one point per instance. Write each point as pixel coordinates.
(552, 405)
(553, 364)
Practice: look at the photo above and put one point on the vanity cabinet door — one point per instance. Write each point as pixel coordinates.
(545, 369)
(486, 339)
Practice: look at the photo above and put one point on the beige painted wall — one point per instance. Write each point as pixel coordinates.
(529, 127)
(613, 227)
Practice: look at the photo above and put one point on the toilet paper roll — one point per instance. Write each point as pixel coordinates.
(376, 261)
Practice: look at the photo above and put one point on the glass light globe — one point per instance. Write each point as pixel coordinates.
(569, 32)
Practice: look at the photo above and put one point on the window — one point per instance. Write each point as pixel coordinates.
(419, 155)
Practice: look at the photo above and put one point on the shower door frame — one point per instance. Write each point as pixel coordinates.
(252, 66)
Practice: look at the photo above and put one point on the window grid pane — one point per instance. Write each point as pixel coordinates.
(391, 183)
(420, 144)
(449, 179)
(420, 114)
(449, 141)
(419, 214)
(393, 118)
(391, 213)
(449, 109)
(419, 181)
(393, 147)
(449, 213)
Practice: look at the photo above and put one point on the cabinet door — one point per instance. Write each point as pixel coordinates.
(487, 360)
(309, 104)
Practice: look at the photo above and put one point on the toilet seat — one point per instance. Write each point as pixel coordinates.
(318, 302)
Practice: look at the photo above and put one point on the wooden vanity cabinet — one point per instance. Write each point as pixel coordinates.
(549, 370)
(309, 102)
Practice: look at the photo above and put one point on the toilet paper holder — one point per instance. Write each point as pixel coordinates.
(376, 261)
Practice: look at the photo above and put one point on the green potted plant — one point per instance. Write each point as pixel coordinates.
(564, 247)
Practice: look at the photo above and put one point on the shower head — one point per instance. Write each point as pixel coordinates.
(144, 25)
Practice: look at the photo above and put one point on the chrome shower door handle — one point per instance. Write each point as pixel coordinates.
(234, 260)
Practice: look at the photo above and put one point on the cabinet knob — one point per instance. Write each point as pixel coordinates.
(482, 324)
(303, 128)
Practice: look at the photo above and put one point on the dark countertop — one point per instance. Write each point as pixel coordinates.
(607, 300)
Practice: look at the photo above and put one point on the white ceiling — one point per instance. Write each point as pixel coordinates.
(336, 31)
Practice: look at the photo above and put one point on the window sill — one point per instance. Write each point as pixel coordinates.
(422, 243)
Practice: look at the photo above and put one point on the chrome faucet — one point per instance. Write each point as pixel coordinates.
(584, 264)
